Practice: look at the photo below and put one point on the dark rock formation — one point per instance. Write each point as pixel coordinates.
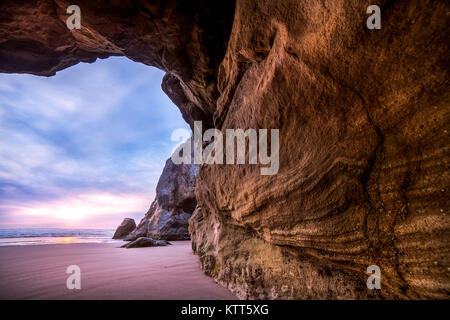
(175, 201)
(363, 118)
(138, 232)
(145, 242)
(124, 229)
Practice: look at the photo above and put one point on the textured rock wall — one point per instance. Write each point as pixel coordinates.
(363, 180)
(363, 118)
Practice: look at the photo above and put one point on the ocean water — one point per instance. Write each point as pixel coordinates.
(36, 236)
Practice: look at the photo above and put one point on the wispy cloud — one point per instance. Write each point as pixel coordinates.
(99, 129)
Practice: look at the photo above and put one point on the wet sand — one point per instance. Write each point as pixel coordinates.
(107, 272)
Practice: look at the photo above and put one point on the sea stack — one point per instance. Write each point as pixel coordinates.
(124, 228)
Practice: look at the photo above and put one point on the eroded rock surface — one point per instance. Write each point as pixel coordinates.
(187, 39)
(364, 154)
(363, 118)
(125, 228)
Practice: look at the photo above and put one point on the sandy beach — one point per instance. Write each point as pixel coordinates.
(107, 272)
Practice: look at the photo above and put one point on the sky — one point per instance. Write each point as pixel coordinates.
(84, 148)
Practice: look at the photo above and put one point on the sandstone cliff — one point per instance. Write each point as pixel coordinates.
(363, 118)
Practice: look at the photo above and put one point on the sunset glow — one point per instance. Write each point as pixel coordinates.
(83, 210)
(67, 240)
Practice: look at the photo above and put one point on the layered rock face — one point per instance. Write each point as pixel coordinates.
(363, 118)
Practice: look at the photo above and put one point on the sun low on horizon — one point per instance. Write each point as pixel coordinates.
(85, 147)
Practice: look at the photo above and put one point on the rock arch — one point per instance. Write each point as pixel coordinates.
(363, 117)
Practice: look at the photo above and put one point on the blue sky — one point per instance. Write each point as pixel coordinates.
(85, 147)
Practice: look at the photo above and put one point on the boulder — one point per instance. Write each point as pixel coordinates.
(124, 229)
(145, 242)
(139, 231)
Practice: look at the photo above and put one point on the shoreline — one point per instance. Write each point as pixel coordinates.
(65, 244)
(107, 272)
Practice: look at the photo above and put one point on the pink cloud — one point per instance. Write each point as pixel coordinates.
(91, 210)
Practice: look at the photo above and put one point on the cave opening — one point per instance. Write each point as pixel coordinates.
(354, 102)
(85, 147)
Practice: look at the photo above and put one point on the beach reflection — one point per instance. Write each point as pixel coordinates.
(67, 240)
(39, 236)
